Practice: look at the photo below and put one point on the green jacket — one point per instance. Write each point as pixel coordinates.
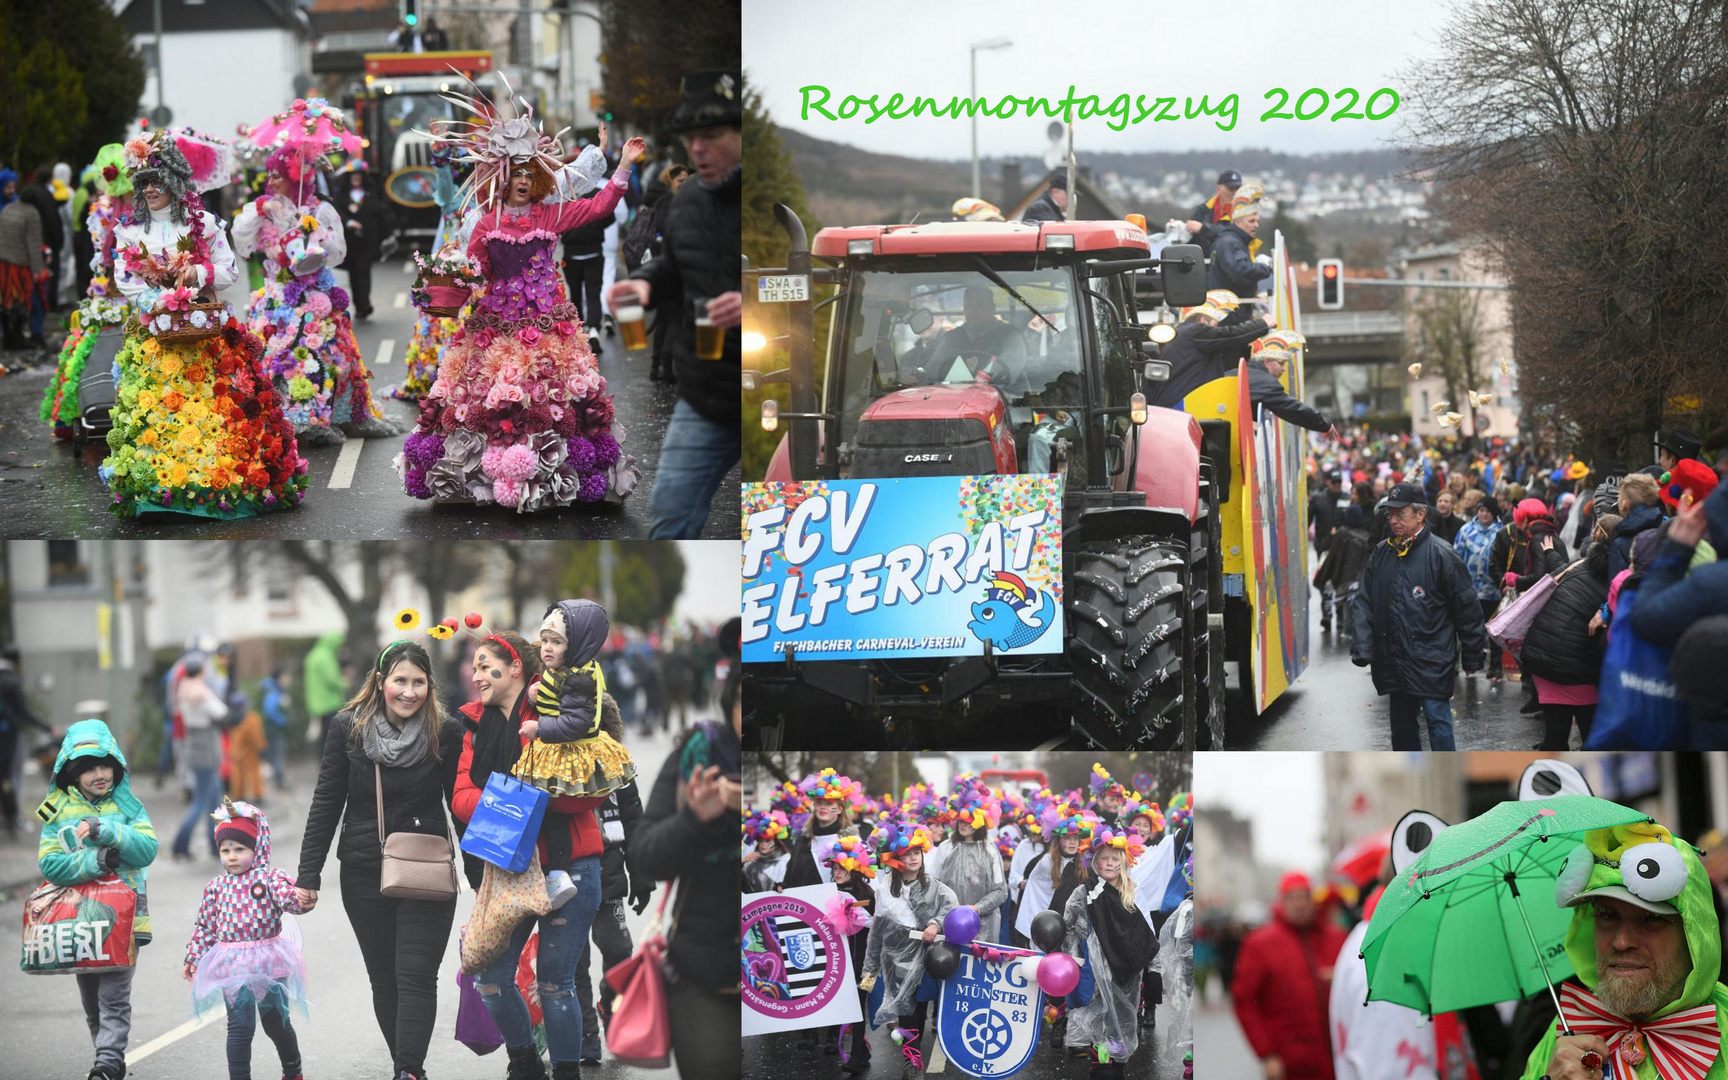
(1600, 866)
(326, 690)
(124, 824)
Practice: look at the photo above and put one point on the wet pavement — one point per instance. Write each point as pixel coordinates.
(1333, 706)
(50, 490)
(1219, 1048)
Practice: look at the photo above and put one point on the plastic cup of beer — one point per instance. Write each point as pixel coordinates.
(631, 327)
(710, 339)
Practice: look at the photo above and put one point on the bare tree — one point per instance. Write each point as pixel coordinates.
(1583, 139)
(1449, 343)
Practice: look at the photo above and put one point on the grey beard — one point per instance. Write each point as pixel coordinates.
(1639, 999)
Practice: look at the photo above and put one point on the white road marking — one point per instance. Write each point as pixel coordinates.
(386, 349)
(401, 299)
(343, 474)
(161, 1042)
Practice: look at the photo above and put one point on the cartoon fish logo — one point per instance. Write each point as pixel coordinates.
(997, 619)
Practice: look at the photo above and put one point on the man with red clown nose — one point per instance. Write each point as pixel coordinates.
(1647, 949)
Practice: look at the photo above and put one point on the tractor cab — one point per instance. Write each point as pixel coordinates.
(968, 348)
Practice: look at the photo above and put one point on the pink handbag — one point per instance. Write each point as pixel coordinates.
(1510, 627)
(641, 1030)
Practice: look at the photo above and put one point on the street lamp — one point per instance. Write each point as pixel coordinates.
(993, 43)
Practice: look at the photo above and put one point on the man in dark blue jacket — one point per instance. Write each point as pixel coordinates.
(1414, 600)
(1232, 266)
(1205, 219)
(1264, 389)
(1202, 351)
(1671, 599)
(1050, 206)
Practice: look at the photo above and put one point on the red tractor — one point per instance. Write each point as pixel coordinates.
(962, 348)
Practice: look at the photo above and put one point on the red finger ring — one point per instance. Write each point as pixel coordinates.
(1591, 1060)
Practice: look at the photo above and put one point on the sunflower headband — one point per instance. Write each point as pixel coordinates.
(409, 618)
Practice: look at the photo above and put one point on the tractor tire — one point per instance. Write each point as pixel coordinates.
(1206, 647)
(1127, 609)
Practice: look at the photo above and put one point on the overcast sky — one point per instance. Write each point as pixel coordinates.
(712, 579)
(1281, 793)
(1105, 48)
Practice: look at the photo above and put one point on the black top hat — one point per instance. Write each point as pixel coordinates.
(1681, 443)
(711, 99)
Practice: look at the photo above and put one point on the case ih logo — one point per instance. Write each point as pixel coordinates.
(910, 458)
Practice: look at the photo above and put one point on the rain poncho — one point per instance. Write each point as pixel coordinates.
(1112, 1016)
(1175, 963)
(974, 872)
(896, 948)
(766, 872)
(122, 822)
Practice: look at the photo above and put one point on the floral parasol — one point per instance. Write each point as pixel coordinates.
(311, 127)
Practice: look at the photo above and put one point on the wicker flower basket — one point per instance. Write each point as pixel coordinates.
(196, 323)
(445, 295)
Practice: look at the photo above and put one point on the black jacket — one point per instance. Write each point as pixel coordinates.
(1408, 613)
(1043, 208)
(1559, 645)
(1207, 237)
(416, 799)
(1446, 528)
(643, 240)
(1231, 267)
(587, 239)
(802, 869)
(1265, 389)
(703, 244)
(1345, 558)
(1325, 511)
(1201, 353)
(671, 842)
(372, 219)
(1527, 557)
(617, 816)
(48, 209)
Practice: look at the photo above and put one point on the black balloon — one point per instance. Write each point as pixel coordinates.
(941, 960)
(1047, 931)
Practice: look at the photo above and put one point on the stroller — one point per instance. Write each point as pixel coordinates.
(96, 388)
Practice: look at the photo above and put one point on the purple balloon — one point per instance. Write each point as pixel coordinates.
(960, 926)
(1058, 974)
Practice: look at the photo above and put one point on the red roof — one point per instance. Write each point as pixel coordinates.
(983, 237)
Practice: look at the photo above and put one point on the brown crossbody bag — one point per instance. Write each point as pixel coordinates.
(417, 866)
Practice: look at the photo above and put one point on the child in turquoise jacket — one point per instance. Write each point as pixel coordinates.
(92, 793)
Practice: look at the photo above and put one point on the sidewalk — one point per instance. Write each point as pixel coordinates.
(19, 873)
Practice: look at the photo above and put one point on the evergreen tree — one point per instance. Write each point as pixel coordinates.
(70, 80)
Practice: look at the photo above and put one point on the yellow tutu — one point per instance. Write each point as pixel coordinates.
(590, 768)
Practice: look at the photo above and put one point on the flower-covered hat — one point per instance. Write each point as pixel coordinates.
(154, 158)
(852, 854)
(1127, 842)
(1102, 783)
(760, 825)
(1136, 807)
(895, 839)
(828, 784)
(1065, 819)
(110, 167)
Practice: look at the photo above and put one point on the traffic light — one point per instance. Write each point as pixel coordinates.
(411, 12)
(1331, 282)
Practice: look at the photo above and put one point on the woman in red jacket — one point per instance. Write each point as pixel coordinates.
(505, 667)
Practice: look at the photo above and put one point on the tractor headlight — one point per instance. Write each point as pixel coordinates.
(860, 247)
(748, 378)
(770, 415)
(1137, 408)
(755, 341)
(1056, 241)
(1163, 333)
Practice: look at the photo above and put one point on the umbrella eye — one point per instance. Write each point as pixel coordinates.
(1653, 871)
(1573, 876)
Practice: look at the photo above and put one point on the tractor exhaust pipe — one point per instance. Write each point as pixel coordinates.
(801, 334)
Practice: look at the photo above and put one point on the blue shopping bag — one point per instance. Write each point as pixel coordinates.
(506, 823)
(1637, 705)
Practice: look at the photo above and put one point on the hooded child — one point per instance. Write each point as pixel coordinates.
(109, 833)
(243, 953)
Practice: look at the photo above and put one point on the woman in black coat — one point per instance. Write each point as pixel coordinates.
(393, 728)
(365, 220)
(1563, 655)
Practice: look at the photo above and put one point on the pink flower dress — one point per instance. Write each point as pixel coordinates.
(519, 414)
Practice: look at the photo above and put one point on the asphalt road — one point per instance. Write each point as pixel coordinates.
(779, 1057)
(1333, 706)
(43, 1033)
(1219, 1048)
(48, 492)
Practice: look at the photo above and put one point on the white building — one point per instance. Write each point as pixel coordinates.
(224, 62)
(1492, 326)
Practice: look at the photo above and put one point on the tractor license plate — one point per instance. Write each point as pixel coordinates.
(782, 288)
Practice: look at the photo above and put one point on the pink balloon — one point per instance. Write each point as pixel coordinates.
(1058, 974)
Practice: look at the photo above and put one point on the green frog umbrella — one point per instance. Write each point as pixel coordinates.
(1474, 920)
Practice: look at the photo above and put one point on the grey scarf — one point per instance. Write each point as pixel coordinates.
(391, 746)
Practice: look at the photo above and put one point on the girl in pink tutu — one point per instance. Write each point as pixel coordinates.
(243, 952)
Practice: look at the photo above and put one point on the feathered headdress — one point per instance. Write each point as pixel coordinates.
(497, 146)
(760, 825)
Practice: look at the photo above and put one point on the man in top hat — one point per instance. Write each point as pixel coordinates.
(1678, 445)
(1209, 215)
(1052, 205)
(1416, 599)
(700, 257)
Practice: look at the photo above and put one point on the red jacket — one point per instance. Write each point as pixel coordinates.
(1283, 981)
(585, 837)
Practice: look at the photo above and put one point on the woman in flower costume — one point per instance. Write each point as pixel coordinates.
(102, 306)
(519, 414)
(1107, 931)
(301, 313)
(197, 428)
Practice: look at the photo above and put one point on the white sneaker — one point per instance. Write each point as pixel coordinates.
(560, 888)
